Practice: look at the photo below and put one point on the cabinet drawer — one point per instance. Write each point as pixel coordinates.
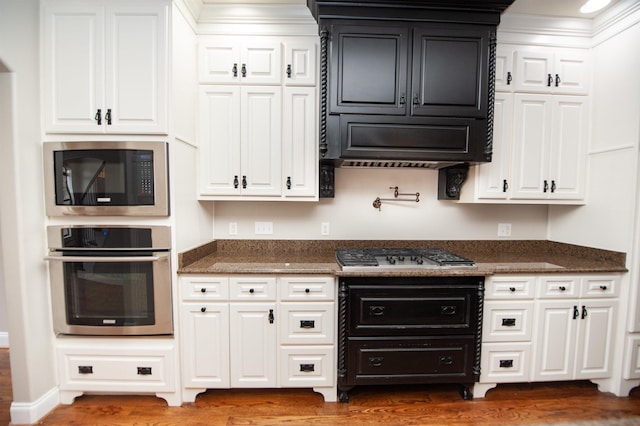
(505, 362)
(252, 288)
(133, 372)
(410, 360)
(312, 323)
(307, 288)
(506, 321)
(558, 287)
(307, 366)
(511, 287)
(204, 288)
(599, 286)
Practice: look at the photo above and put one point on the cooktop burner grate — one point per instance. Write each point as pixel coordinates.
(400, 257)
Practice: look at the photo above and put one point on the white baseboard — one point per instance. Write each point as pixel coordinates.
(4, 339)
(27, 413)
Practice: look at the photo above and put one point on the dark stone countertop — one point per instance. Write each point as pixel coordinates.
(318, 257)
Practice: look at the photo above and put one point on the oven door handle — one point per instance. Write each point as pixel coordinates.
(130, 259)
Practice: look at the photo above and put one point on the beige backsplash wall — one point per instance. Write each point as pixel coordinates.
(351, 214)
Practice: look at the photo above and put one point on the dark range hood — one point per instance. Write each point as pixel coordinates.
(406, 84)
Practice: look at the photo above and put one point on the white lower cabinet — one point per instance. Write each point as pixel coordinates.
(117, 365)
(243, 331)
(546, 328)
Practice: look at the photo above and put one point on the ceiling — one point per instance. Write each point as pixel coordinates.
(559, 8)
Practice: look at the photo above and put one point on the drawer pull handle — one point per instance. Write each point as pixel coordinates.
(307, 324)
(508, 322)
(144, 371)
(446, 360)
(376, 311)
(576, 313)
(512, 289)
(85, 369)
(203, 309)
(603, 287)
(271, 318)
(307, 368)
(306, 290)
(506, 363)
(376, 361)
(448, 310)
(251, 291)
(203, 290)
(562, 288)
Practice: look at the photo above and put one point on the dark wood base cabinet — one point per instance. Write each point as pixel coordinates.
(407, 330)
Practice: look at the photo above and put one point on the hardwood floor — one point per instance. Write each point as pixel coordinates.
(394, 405)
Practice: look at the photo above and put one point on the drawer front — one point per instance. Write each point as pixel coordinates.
(599, 286)
(505, 362)
(204, 288)
(307, 323)
(506, 321)
(307, 288)
(404, 361)
(252, 288)
(100, 372)
(412, 311)
(558, 287)
(510, 287)
(307, 366)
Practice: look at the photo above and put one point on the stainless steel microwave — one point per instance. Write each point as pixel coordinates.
(106, 178)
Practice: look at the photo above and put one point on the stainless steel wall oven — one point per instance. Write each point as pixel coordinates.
(111, 280)
(106, 178)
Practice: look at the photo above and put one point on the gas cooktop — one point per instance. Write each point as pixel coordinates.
(400, 258)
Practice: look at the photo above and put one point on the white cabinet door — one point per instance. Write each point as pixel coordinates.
(569, 139)
(137, 69)
(73, 67)
(261, 62)
(493, 178)
(504, 68)
(572, 70)
(556, 341)
(300, 63)
(559, 71)
(533, 115)
(219, 144)
(261, 140)
(205, 343)
(219, 61)
(253, 345)
(106, 68)
(534, 71)
(595, 339)
(300, 145)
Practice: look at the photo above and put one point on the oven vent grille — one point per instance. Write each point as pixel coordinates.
(392, 164)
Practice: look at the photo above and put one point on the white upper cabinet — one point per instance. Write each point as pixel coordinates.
(258, 126)
(229, 60)
(105, 67)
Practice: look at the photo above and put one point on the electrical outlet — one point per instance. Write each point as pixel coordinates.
(324, 228)
(233, 228)
(504, 230)
(264, 228)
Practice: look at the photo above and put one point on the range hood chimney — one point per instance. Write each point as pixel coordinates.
(405, 83)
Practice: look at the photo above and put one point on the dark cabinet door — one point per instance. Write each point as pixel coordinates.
(449, 68)
(368, 69)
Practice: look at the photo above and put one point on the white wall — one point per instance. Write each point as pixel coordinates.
(21, 213)
(351, 214)
(607, 219)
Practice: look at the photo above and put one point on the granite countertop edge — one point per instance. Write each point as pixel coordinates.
(318, 257)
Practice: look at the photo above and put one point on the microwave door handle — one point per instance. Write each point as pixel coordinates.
(130, 259)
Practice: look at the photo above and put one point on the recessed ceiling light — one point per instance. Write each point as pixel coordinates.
(594, 5)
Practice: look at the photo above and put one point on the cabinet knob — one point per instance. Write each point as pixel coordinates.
(584, 312)
(557, 80)
(512, 289)
(251, 290)
(107, 117)
(203, 290)
(235, 70)
(306, 290)
(271, 319)
(98, 117)
(576, 313)
(549, 80)
(553, 186)
(562, 288)
(244, 182)
(545, 186)
(509, 78)
(288, 182)
(403, 100)
(376, 361)
(243, 70)
(203, 309)
(603, 287)
(416, 101)
(446, 360)
(288, 70)
(505, 185)
(236, 183)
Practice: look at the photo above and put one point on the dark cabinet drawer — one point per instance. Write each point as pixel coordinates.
(410, 360)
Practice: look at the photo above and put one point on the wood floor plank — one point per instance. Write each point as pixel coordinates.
(509, 404)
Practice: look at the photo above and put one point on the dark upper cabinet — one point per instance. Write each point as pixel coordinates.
(376, 70)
